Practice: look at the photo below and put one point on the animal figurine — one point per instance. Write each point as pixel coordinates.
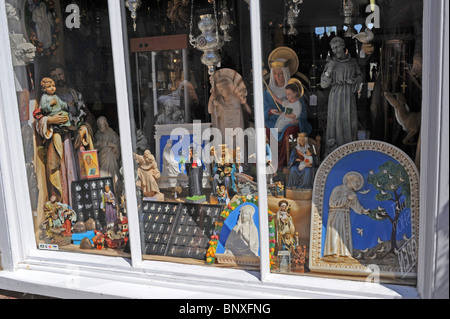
(410, 121)
(365, 37)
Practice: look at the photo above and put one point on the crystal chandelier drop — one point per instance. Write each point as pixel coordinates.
(133, 6)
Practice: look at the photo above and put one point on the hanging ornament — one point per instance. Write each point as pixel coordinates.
(209, 42)
(292, 16)
(133, 6)
(348, 11)
(291, 20)
(296, 7)
(226, 23)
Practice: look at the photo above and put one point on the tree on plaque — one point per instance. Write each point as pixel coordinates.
(392, 183)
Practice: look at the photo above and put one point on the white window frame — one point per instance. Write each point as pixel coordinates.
(63, 274)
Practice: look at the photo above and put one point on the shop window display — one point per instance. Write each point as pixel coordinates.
(69, 125)
(321, 92)
(354, 82)
(193, 130)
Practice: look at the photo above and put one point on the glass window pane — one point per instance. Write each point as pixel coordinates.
(340, 77)
(195, 139)
(64, 78)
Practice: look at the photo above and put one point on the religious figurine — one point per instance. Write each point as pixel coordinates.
(293, 108)
(141, 142)
(148, 175)
(301, 165)
(279, 189)
(68, 218)
(56, 169)
(51, 105)
(343, 199)
(170, 165)
(51, 214)
(171, 112)
(285, 227)
(299, 259)
(283, 63)
(107, 142)
(59, 218)
(344, 76)
(194, 170)
(23, 52)
(108, 205)
(227, 101)
(222, 195)
(243, 239)
(224, 173)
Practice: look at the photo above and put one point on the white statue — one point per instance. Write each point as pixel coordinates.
(44, 24)
(338, 241)
(243, 239)
(11, 12)
(170, 164)
(228, 100)
(23, 52)
(107, 142)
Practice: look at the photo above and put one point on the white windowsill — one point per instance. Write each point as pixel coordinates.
(67, 275)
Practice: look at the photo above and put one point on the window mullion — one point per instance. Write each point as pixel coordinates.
(260, 137)
(118, 29)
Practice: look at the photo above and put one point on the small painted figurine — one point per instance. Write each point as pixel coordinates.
(148, 175)
(52, 105)
(285, 226)
(222, 195)
(299, 259)
(69, 217)
(109, 206)
(194, 170)
(301, 166)
(223, 172)
(279, 189)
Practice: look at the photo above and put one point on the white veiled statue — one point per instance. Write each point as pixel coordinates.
(243, 239)
(170, 164)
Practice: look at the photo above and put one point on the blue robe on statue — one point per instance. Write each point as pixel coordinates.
(271, 119)
(303, 179)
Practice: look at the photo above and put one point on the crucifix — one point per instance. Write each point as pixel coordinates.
(404, 86)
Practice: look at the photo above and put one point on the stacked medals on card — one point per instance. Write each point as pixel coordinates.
(87, 199)
(178, 229)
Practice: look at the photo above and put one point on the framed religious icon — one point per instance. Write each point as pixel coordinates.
(365, 213)
(236, 239)
(89, 167)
